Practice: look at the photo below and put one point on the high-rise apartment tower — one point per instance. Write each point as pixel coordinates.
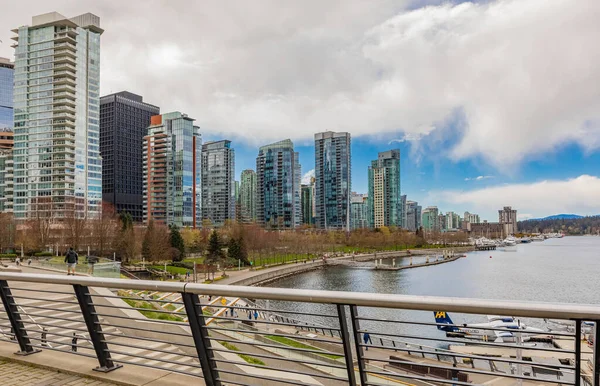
(57, 164)
(385, 201)
(278, 176)
(171, 170)
(333, 182)
(218, 182)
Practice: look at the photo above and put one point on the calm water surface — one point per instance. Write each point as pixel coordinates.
(556, 270)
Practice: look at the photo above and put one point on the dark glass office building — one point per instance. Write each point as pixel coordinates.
(124, 121)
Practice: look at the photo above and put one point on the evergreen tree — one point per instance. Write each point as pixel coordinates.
(233, 249)
(177, 242)
(215, 250)
(126, 221)
(242, 251)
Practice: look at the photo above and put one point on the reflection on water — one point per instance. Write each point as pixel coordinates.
(556, 270)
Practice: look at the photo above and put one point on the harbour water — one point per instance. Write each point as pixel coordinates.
(556, 270)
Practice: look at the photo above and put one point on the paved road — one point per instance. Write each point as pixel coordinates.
(14, 374)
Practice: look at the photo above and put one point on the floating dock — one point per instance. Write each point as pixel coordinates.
(486, 247)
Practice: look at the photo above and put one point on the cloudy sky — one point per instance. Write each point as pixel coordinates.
(492, 103)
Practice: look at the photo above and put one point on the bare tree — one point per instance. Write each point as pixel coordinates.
(76, 229)
(40, 225)
(105, 230)
(7, 232)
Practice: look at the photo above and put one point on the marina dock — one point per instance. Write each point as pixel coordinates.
(487, 247)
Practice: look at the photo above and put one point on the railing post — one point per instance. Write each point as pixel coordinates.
(596, 353)
(577, 353)
(17, 326)
(94, 329)
(193, 309)
(346, 343)
(359, 353)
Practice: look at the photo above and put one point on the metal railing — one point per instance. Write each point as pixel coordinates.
(226, 335)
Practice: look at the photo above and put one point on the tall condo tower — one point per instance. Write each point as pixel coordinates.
(171, 169)
(385, 200)
(57, 164)
(218, 182)
(333, 182)
(279, 177)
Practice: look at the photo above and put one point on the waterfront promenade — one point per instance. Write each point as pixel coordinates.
(248, 340)
(293, 365)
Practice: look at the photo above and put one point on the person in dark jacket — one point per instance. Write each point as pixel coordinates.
(71, 259)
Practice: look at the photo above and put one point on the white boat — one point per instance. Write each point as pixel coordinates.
(509, 242)
(538, 238)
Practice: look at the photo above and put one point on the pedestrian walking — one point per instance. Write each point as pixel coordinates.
(74, 343)
(71, 259)
(367, 339)
(18, 261)
(91, 261)
(255, 315)
(454, 373)
(29, 261)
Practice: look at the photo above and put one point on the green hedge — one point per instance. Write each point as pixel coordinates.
(182, 264)
(43, 254)
(8, 255)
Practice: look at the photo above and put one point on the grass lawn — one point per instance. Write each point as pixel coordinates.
(296, 344)
(193, 260)
(260, 260)
(170, 269)
(149, 314)
(247, 358)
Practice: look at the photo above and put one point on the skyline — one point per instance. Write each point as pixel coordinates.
(464, 148)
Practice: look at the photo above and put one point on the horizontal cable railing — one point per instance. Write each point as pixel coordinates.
(252, 335)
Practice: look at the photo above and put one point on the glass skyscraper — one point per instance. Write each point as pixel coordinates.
(171, 170)
(333, 181)
(248, 196)
(385, 201)
(57, 164)
(278, 176)
(413, 215)
(360, 211)
(124, 121)
(218, 182)
(6, 134)
(308, 202)
(430, 218)
(6, 94)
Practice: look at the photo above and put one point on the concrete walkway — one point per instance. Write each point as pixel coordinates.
(17, 374)
(49, 363)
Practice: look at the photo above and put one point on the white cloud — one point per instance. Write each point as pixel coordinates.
(478, 178)
(539, 199)
(408, 137)
(523, 72)
(307, 176)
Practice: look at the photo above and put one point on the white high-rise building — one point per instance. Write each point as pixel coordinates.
(57, 164)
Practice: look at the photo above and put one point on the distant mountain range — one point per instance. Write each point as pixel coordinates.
(557, 217)
(569, 224)
(563, 217)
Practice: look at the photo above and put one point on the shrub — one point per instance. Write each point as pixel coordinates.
(43, 254)
(182, 264)
(8, 255)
